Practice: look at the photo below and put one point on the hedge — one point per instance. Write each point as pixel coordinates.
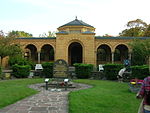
(111, 70)
(140, 71)
(21, 71)
(18, 59)
(47, 69)
(83, 70)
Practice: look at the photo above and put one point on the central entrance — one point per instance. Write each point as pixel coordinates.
(75, 53)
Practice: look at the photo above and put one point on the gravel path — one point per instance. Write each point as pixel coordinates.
(46, 101)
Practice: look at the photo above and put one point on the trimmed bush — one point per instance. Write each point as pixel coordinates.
(18, 59)
(140, 72)
(21, 71)
(47, 69)
(83, 70)
(111, 71)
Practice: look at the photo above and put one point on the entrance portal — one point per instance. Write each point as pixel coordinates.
(75, 53)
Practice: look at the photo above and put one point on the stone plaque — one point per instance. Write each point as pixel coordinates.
(60, 69)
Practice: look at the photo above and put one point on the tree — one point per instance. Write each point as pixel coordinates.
(140, 51)
(7, 48)
(50, 34)
(107, 35)
(17, 34)
(135, 28)
(147, 32)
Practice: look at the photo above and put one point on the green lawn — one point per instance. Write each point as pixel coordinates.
(104, 97)
(14, 90)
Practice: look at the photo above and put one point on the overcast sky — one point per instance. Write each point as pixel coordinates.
(39, 16)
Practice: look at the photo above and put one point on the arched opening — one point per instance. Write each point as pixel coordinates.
(47, 53)
(121, 53)
(31, 52)
(75, 53)
(103, 54)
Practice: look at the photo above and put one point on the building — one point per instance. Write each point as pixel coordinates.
(76, 42)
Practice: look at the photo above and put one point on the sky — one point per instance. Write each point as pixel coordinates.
(40, 16)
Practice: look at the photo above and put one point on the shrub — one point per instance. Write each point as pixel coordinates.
(83, 70)
(18, 59)
(21, 71)
(111, 70)
(47, 69)
(31, 63)
(140, 71)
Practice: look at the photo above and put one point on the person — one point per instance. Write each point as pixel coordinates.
(145, 94)
(120, 74)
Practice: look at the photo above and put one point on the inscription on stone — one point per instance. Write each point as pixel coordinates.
(60, 69)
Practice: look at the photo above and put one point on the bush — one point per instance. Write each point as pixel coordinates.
(47, 69)
(111, 70)
(140, 72)
(18, 59)
(83, 70)
(21, 71)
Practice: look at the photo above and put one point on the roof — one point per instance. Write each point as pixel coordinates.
(98, 37)
(76, 22)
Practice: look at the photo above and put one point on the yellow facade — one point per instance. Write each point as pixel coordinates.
(76, 42)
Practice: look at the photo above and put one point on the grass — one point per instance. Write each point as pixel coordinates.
(14, 90)
(104, 97)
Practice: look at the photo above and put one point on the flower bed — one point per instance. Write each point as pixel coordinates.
(135, 85)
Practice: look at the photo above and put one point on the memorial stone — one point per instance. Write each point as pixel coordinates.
(60, 69)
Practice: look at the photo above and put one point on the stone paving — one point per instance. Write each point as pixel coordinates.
(46, 101)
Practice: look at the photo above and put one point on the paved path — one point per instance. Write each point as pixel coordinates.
(46, 101)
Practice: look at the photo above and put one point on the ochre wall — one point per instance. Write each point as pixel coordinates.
(87, 41)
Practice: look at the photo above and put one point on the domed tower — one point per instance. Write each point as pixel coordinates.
(75, 42)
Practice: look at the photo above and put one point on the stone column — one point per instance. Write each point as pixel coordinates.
(112, 57)
(39, 57)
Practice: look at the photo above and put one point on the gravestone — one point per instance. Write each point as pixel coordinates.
(60, 69)
(38, 70)
(60, 72)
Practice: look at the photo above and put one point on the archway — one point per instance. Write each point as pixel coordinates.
(121, 53)
(75, 53)
(47, 53)
(31, 52)
(103, 54)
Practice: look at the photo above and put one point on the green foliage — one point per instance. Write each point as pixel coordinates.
(147, 32)
(83, 70)
(18, 59)
(111, 70)
(103, 97)
(140, 51)
(132, 32)
(19, 34)
(21, 71)
(7, 48)
(140, 71)
(47, 69)
(135, 28)
(13, 90)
